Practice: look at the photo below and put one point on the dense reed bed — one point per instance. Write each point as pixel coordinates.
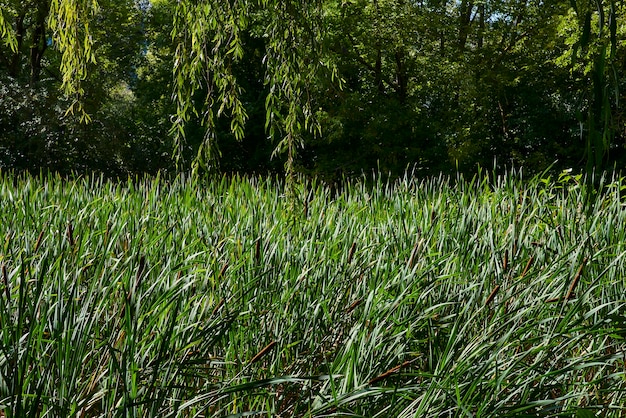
(493, 297)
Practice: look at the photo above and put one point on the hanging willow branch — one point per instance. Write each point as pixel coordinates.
(69, 21)
(6, 31)
(293, 57)
(208, 35)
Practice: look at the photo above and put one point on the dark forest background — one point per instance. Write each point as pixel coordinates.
(432, 85)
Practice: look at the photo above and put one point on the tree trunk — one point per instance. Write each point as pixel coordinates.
(401, 77)
(39, 41)
(465, 20)
(481, 23)
(378, 71)
(15, 66)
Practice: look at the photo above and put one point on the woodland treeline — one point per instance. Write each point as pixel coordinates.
(325, 87)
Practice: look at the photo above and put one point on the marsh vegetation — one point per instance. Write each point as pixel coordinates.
(483, 297)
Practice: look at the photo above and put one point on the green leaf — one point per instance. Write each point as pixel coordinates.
(585, 413)
(586, 34)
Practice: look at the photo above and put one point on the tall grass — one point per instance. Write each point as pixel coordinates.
(490, 297)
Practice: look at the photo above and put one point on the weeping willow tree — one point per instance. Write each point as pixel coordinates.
(6, 31)
(208, 35)
(209, 38)
(68, 21)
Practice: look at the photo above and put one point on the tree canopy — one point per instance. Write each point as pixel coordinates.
(322, 86)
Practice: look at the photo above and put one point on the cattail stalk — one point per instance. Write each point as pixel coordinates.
(70, 234)
(257, 251)
(263, 352)
(389, 372)
(5, 278)
(353, 305)
(39, 239)
(217, 307)
(416, 249)
(223, 270)
(492, 295)
(530, 262)
(351, 252)
(572, 286)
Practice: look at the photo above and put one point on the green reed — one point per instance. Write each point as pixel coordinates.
(483, 297)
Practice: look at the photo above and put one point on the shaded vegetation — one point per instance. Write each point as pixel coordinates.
(322, 87)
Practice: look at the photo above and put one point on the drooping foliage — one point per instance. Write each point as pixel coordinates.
(326, 87)
(211, 43)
